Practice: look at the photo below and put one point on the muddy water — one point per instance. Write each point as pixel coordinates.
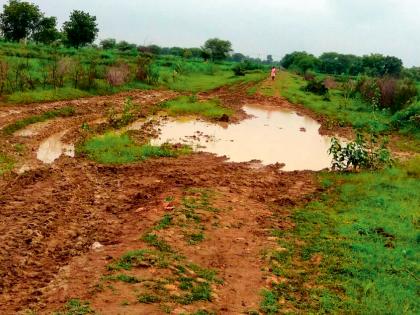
(271, 136)
(52, 148)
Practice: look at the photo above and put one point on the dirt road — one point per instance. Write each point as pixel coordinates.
(52, 214)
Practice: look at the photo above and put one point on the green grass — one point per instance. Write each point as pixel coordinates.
(190, 106)
(6, 164)
(201, 82)
(353, 112)
(113, 148)
(36, 96)
(366, 230)
(122, 278)
(76, 307)
(67, 111)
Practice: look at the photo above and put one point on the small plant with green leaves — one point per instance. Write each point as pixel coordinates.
(360, 154)
(76, 307)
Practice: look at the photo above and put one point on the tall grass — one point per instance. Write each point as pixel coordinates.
(6, 164)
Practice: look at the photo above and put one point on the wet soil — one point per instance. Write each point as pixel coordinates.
(52, 214)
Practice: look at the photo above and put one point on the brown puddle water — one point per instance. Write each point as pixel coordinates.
(271, 136)
(52, 148)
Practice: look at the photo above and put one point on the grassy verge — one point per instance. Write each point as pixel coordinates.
(352, 112)
(190, 106)
(199, 82)
(20, 124)
(113, 148)
(354, 251)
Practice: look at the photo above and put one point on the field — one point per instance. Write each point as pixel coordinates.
(120, 226)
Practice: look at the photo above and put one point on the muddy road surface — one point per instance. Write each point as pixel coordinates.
(167, 235)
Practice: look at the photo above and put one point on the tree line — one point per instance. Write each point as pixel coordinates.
(344, 64)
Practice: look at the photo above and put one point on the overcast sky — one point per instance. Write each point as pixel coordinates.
(259, 27)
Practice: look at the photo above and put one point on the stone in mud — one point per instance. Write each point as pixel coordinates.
(96, 246)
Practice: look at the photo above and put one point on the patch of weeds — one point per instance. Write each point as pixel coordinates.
(208, 274)
(67, 111)
(195, 238)
(76, 307)
(269, 305)
(190, 106)
(6, 164)
(113, 148)
(155, 241)
(19, 148)
(199, 292)
(140, 258)
(125, 303)
(148, 298)
(169, 199)
(164, 223)
(122, 278)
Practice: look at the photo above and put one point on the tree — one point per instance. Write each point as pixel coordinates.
(19, 20)
(46, 31)
(269, 59)
(238, 57)
(300, 61)
(81, 29)
(217, 49)
(109, 43)
(125, 46)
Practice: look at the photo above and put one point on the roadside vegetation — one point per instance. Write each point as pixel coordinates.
(20, 124)
(361, 237)
(113, 148)
(192, 106)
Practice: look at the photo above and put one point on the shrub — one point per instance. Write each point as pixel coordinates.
(409, 118)
(360, 154)
(118, 75)
(317, 87)
(405, 94)
(309, 75)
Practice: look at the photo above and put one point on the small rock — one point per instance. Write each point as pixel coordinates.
(96, 246)
(302, 129)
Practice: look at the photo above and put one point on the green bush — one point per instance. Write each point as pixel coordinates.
(408, 118)
(316, 86)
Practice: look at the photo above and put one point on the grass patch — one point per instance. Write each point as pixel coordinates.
(365, 230)
(164, 223)
(122, 278)
(6, 164)
(76, 307)
(155, 241)
(185, 105)
(35, 96)
(113, 148)
(67, 111)
(269, 305)
(140, 258)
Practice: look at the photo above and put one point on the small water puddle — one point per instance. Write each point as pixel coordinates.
(52, 148)
(271, 136)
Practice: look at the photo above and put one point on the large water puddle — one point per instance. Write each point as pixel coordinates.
(53, 147)
(271, 136)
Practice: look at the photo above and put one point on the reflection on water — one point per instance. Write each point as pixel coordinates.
(52, 148)
(271, 136)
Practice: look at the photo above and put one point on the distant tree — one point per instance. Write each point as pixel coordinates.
(126, 46)
(269, 59)
(379, 65)
(46, 31)
(196, 52)
(238, 57)
(19, 20)
(154, 49)
(108, 43)
(81, 29)
(217, 49)
(300, 61)
(187, 53)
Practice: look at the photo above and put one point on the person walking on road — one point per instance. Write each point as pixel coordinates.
(273, 73)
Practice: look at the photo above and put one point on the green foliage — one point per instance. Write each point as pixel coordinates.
(122, 278)
(190, 106)
(365, 230)
(76, 307)
(19, 20)
(46, 31)
(299, 61)
(148, 298)
(316, 86)
(408, 119)
(109, 43)
(81, 29)
(360, 153)
(164, 223)
(216, 49)
(66, 93)
(6, 164)
(67, 111)
(113, 148)
(269, 305)
(155, 241)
